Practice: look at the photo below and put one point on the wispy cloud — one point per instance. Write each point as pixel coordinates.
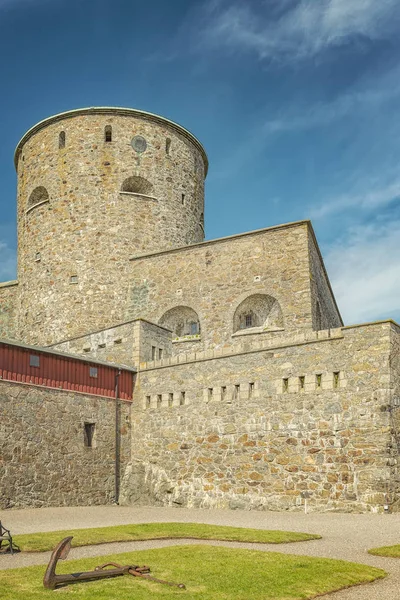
(7, 262)
(372, 198)
(299, 28)
(365, 274)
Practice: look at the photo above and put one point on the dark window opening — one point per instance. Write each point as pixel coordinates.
(88, 433)
(318, 381)
(108, 133)
(92, 371)
(183, 198)
(223, 392)
(302, 380)
(248, 320)
(285, 384)
(182, 398)
(73, 279)
(251, 390)
(61, 140)
(34, 360)
(236, 391)
(160, 353)
(210, 393)
(170, 399)
(148, 400)
(336, 379)
(153, 353)
(159, 400)
(167, 145)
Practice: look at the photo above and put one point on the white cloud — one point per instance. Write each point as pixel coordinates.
(301, 28)
(365, 272)
(7, 262)
(372, 198)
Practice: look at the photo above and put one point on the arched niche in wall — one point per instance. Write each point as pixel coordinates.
(137, 185)
(183, 321)
(39, 194)
(259, 312)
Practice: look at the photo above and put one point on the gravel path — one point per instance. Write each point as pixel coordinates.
(345, 536)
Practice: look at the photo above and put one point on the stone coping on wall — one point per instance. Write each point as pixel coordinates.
(116, 111)
(89, 333)
(5, 284)
(46, 350)
(298, 339)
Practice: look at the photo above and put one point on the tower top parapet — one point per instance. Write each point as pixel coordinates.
(110, 110)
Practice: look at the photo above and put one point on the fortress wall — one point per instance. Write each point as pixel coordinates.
(395, 413)
(87, 227)
(8, 305)
(214, 278)
(43, 458)
(230, 432)
(321, 291)
(126, 344)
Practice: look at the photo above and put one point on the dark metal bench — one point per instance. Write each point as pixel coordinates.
(6, 541)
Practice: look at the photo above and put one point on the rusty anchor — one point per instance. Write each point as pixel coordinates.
(51, 580)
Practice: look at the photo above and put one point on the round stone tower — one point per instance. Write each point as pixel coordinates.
(97, 186)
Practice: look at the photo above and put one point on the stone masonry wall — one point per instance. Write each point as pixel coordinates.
(321, 291)
(76, 234)
(214, 278)
(265, 428)
(8, 305)
(126, 344)
(43, 458)
(394, 409)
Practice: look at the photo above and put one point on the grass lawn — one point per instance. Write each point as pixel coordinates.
(208, 572)
(392, 551)
(39, 542)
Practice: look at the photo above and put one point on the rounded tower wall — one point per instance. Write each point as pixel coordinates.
(87, 203)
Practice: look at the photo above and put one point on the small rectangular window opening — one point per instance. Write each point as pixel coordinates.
(210, 393)
(73, 279)
(153, 353)
(170, 399)
(88, 433)
(93, 372)
(336, 379)
(160, 353)
(236, 391)
(249, 320)
(194, 328)
(318, 381)
(34, 360)
(38, 257)
(251, 390)
(86, 349)
(183, 198)
(148, 401)
(61, 140)
(167, 145)
(223, 392)
(302, 381)
(159, 400)
(182, 398)
(108, 133)
(118, 341)
(285, 384)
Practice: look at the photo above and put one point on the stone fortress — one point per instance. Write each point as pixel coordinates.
(249, 392)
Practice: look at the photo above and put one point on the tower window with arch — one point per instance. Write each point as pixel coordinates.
(183, 321)
(39, 194)
(259, 312)
(137, 185)
(61, 140)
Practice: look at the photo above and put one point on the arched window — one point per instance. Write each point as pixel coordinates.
(61, 140)
(108, 133)
(259, 311)
(39, 194)
(137, 185)
(182, 321)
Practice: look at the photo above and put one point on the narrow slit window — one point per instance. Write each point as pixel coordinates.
(223, 392)
(34, 360)
(285, 384)
(61, 140)
(170, 399)
(160, 353)
(148, 401)
(183, 199)
(108, 133)
(153, 353)
(167, 145)
(236, 391)
(182, 398)
(302, 381)
(159, 400)
(93, 372)
(210, 393)
(88, 433)
(251, 390)
(318, 381)
(336, 379)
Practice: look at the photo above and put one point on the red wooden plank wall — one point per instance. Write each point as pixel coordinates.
(62, 372)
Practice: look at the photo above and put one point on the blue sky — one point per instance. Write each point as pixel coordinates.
(297, 103)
